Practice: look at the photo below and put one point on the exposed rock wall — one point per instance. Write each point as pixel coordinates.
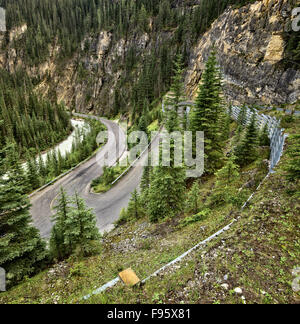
(250, 46)
(102, 66)
(249, 42)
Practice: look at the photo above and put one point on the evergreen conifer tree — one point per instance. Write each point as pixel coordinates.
(58, 248)
(224, 191)
(145, 182)
(42, 168)
(208, 115)
(192, 203)
(167, 186)
(134, 210)
(166, 193)
(22, 251)
(34, 180)
(75, 230)
(247, 151)
(81, 231)
(264, 139)
(229, 173)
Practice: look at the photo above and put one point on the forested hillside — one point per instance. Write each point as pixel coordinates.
(118, 53)
(71, 20)
(33, 123)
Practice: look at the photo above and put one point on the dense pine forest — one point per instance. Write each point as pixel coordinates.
(33, 123)
(175, 26)
(69, 21)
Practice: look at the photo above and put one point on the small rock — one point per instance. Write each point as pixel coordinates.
(225, 286)
(238, 291)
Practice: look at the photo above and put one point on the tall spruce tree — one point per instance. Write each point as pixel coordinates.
(175, 96)
(58, 248)
(208, 115)
(81, 231)
(42, 168)
(22, 251)
(247, 151)
(166, 194)
(135, 210)
(167, 187)
(34, 179)
(75, 230)
(192, 203)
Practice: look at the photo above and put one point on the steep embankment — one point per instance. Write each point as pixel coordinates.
(257, 255)
(103, 74)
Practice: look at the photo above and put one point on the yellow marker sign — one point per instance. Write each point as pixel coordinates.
(129, 277)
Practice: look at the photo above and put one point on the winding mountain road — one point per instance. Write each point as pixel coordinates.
(107, 206)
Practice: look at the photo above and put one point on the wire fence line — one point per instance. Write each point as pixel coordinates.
(276, 133)
(277, 138)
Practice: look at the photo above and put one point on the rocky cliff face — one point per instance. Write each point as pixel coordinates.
(250, 46)
(88, 79)
(102, 66)
(249, 42)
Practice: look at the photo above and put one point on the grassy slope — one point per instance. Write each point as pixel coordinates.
(257, 255)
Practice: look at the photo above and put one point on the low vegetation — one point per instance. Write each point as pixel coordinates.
(257, 255)
(105, 182)
(40, 172)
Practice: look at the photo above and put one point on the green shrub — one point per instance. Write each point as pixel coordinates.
(104, 183)
(196, 218)
(77, 270)
(123, 217)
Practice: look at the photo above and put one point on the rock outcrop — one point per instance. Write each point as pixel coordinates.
(249, 43)
(250, 47)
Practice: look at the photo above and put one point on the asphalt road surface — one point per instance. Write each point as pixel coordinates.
(107, 206)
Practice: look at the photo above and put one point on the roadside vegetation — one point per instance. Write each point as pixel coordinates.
(171, 214)
(104, 182)
(40, 172)
(257, 255)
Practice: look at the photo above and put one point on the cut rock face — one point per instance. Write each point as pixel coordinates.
(275, 49)
(250, 48)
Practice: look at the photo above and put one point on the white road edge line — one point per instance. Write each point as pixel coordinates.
(69, 171)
